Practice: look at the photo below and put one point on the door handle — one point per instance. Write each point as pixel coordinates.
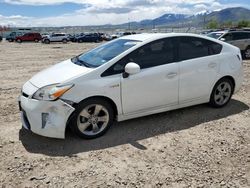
(212, 65)
(172, 74)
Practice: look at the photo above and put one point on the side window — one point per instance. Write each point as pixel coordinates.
(214, 48)
(153, 54)
(238, 36)
(192, 47)
(228, 37)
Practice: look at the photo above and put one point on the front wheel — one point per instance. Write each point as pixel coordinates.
(222, 93)
(92, 118)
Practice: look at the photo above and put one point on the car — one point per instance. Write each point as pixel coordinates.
(91, 37)
(1, 38)
(12, 36)
(130, 77)
(240, 39)
(29, 37)
(56, 37)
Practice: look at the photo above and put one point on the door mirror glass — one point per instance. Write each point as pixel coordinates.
(132, 68)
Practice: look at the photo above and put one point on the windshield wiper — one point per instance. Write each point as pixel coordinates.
(77, 61)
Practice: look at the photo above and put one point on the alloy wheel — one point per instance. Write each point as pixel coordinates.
(93, 119)
(222, 93)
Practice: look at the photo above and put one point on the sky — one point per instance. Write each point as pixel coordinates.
(30, 13)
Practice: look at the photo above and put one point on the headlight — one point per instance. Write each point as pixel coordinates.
(51, 92)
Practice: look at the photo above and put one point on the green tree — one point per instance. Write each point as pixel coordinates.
(228, 24)
(213, 24)
(243, 23)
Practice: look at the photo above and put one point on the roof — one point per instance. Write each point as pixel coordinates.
(154, 36)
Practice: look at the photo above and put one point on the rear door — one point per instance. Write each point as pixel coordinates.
(199, 63)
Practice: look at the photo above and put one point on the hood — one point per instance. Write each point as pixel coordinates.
(58, 73)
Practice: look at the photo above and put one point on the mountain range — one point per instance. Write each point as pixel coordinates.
(234, 14)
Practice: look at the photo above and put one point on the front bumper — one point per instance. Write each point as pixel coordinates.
(46, 118)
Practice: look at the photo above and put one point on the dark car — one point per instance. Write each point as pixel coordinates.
(1, 38)
(12, 36)
(92, 37)
(29, 37)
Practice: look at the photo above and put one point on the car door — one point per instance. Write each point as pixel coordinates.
(156, 85)
(199, 65)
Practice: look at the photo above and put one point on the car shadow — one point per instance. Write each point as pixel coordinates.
(130, 131)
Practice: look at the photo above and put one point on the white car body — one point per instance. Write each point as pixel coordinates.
(56, 37)
(188, 83)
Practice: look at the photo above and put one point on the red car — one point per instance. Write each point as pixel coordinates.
(36, 37)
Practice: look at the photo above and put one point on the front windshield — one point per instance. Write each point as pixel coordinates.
(214, 35)
(104, 53)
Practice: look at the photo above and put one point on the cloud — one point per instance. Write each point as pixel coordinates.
(98, 12)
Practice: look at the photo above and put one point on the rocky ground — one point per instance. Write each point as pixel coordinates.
(192, 147)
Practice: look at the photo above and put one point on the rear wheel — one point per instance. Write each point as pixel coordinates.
(222, 93)
(80, 40)
(19, 40)
(10, 40)
(36, 40)
(247, 53)
(92, 118)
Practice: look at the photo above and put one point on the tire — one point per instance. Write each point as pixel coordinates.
(10, 40)
(92, 118)
(36, 40)
(46, 41)
(80, 40)
(246, 53)
(222, 93)
(64, 41)
(19, 40)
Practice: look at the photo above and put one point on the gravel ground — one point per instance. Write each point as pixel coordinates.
(192, 147)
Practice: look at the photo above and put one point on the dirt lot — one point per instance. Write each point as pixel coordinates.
(192, 147)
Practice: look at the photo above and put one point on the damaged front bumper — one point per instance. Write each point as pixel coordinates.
(46, 118)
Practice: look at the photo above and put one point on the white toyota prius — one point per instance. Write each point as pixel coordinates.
(130, 77)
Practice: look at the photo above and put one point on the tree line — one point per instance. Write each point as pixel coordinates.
(214, 24)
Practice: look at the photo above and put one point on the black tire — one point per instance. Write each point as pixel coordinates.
(64, 41)
(246, 53)
(19, 40)
(46, 41)
(77, 118)
(10, 40)
(80, 40)
(36, 40)
(224, 95)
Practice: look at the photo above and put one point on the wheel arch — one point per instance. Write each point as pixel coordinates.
(109, 100)
(224, 77)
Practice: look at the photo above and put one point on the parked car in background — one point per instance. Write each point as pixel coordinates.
(45, 35)
(71, 37)
(91, 37)
(133, 76)
(12, 36)
(56, 37)
(29, 37)
(106, 37)
(241, 39)
(1, 38)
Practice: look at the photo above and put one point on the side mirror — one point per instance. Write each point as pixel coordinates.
(130, 69)
(222, 39)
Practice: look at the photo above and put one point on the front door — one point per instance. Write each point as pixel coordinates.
(156, 85)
